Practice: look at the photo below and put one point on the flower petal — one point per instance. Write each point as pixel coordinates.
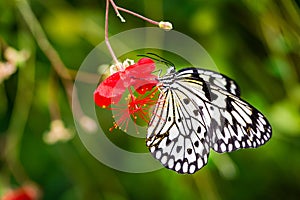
(109, 91)
(137, 75)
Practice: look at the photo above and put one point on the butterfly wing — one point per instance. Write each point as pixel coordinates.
(175, 137)
(211, 114)
(213, 79)
(242, 126)
(231, 122)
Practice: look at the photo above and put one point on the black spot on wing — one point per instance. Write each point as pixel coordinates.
(206, 90)
(229, 106)
(186, 101)
(168, 141)
(178, 149)
(229, 86)
(196, 112)
(199, 129)
(195, 73)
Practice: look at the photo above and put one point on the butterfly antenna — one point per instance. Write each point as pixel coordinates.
(158, 58)
(162, 59)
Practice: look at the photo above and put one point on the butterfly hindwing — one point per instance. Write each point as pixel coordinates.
(242, 126)
(231, 122)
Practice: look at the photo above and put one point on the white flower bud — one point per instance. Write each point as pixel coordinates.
(165, 25)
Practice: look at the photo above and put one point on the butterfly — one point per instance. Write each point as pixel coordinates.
(198, 110)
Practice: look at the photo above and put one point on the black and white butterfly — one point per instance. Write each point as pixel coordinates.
(198, 110)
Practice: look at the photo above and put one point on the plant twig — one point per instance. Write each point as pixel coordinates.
(42, 40)
(138, 15)
(18, 120)
(117, 11)
(46, 47)
(164, 25)
(119, 66)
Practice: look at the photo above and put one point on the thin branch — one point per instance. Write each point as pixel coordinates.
(117, 11)
(106, 38)
(46, 47)
(138, 15)
(164, 25)
(18, 120)
(52, 92)
(42, 40)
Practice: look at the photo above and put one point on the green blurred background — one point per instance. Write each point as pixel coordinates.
(257, 43)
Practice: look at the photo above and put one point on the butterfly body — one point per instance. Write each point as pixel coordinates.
(199, 110)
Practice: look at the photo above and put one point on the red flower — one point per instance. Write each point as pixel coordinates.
(137, 107)
(24, 193)
(137, 75)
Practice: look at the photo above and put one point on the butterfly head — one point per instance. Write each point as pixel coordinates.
(169, 78)
(171, 70)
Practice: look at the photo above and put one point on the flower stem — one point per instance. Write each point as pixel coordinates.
(46, 47)
(106, 38)
(164, 25)
(117, 11)
(138, 15)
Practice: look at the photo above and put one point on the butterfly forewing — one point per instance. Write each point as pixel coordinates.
(184, 146)
(198, 110)
(210, 77)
